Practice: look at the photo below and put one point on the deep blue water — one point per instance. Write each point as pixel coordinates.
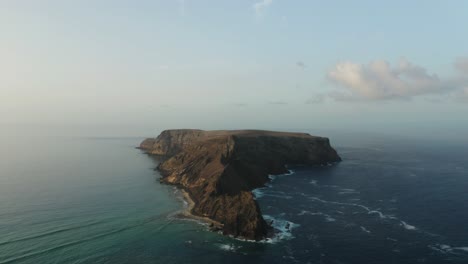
(85, 199)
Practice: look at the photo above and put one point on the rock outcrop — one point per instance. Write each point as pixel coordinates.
(219, 169)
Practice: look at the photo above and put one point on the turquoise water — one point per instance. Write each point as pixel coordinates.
(84, 199)
(93, 198)
(72, 200)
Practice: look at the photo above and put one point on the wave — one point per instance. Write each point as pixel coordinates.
(446, 249)
(259, 192)
(77, 242)
(365, 229)
(341, 191)
(327, 217)
(369, 211)
(408, 226)
(273, 177)
(229, 247)
(461, 248)
(64, 245)
(181, 215)
(52, 232)
(278, 196)
(348, 192)
(283, 229)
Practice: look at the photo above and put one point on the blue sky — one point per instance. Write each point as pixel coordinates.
(235, 64)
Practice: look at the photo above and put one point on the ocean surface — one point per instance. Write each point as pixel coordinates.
(72, 198)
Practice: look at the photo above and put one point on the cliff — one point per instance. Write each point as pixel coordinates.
(219, 169)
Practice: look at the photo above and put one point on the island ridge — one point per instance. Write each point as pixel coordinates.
(219, 169)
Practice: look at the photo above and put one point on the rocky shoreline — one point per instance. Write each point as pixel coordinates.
(217, 170)
(187, 212)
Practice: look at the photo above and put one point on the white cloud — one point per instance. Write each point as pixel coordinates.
(260, 6)
(378, 80)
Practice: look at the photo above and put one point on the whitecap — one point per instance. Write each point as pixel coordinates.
(381, 215)
(348, 192)
(327, 217)
(273, 177)
(303, 212)
(229, 247)
(369, 211)
(283, 228)
(445, 247)
(448, 249)
(365, 230)
(408, 226)
(461, 248)
(277, 196)
(258, 193)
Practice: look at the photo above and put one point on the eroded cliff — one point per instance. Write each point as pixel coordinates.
(220, 168)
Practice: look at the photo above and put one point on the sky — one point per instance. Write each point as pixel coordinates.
(270, 64)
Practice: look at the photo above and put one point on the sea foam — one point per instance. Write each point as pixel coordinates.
(283, 228)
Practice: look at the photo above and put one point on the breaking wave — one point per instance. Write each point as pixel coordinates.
(282, 228)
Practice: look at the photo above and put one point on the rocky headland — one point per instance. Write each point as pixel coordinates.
(219, 169)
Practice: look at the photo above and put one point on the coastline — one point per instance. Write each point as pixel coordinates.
(208, 166)
(187, 212)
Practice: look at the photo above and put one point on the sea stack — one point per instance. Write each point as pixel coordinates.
(219, 169)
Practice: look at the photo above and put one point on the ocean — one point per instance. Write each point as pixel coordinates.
(94, 198)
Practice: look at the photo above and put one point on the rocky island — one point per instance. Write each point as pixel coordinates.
(219, 169)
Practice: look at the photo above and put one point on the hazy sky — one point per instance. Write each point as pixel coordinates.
(235, 64)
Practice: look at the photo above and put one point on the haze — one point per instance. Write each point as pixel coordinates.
(266, 64)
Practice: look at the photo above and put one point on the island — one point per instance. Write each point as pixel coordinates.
(218, 170)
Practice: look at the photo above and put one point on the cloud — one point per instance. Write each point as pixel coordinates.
(462, 65)
(316, 99)
(378, 80)
(462, 95)
(301, 64)
(465, 94)
(260, 6)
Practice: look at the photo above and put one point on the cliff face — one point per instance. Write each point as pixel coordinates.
(220, 168)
